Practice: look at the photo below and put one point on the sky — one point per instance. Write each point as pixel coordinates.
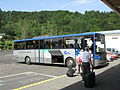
(53, 5)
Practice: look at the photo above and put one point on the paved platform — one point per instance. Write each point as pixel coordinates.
(107, 78)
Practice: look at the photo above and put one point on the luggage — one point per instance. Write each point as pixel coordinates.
(89, 79)
(70, 72)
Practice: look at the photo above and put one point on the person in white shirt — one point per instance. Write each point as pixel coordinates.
(86, 61)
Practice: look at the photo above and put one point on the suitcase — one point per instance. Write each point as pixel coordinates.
(89, 80)
(70, 72)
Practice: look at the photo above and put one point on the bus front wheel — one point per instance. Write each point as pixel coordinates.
(28, 60)
(70, 63)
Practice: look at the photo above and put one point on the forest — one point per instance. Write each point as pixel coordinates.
(21, 25)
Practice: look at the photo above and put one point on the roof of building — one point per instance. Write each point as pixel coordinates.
(113, 4)
(110, 32)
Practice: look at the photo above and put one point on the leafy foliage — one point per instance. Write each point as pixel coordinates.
(20, 25)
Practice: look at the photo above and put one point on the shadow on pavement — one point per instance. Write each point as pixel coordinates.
(43, 64)
(108, 80)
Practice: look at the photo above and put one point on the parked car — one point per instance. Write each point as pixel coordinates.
(114, 50)
(111, 56)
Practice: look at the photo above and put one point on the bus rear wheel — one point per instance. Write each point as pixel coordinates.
(70, 63)
(28, 60)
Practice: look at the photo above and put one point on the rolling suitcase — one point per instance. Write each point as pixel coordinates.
(89, 80)
(70, 72)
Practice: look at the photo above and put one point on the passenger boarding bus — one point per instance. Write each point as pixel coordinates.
(62, 49)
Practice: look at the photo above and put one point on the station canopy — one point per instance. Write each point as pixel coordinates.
(113, 4)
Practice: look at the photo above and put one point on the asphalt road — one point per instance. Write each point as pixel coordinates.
(107, 78)
(19, 76)
(14, 74)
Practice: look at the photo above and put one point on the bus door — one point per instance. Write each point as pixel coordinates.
(36, 50)
(45, 56)
(78, 46)
(36, 54)
(41, 56)
(41, 51)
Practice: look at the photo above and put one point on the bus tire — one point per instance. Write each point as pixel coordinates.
(70, 63)
(28, 60)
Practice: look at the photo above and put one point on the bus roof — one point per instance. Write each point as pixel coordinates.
(50, 37)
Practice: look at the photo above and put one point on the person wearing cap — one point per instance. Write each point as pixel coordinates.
(86, 61)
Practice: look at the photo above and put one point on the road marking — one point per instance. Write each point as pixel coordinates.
(27, 81)
(44, 75)
(15, 74)
(28, 73)
(39, 82)
(16, 78)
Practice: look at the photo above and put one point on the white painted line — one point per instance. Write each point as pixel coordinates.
(15, 74)
(34, 73)
(44, 75)
(26, 73)
(29, 75)
(16, 78)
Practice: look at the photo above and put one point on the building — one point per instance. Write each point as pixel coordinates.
(113, 4)
(112, 38)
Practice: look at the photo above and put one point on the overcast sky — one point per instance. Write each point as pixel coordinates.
(52, 5)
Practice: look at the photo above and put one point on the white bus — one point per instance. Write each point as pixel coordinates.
(62, 49)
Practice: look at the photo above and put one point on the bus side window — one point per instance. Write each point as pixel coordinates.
(57, 43)
(69, 41)
(42, 43)
(47, 44)
(71, 46)
(61, 46)
(30, 44)
(36, 44)
(30, 47)
(56, 46)
(21, 46)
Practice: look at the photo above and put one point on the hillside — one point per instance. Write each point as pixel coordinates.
(19, 25)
